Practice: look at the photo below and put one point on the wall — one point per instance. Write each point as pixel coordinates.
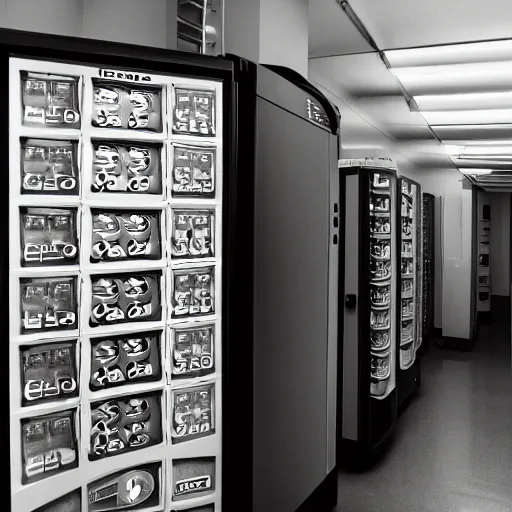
(500, 243)
(361, 136)
(284, 33)
(128, 21)
(268, 32)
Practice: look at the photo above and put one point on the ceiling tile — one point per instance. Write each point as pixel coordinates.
(331, 32)
(390, 110)
(363, 74)
(403, 24)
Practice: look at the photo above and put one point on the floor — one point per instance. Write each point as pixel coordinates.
(452, 451)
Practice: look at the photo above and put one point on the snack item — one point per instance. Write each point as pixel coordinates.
(380, 270)
(192, 233)
(192, 351)
(381, 249)
(380, 296)
(48, 236)
(380, 319)
(49, 167)
(116, 105)
(49, 445)
(48, 304)
(50, 100)
(193, 292)
(125, 424)
(193, 413)
(194, 112)
(118, 360)
(125, 235)
(125, 298)
(193, 172)
(48, 372)
(380, 340)
(126, 168)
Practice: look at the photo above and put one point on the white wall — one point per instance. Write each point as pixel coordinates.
(127, 21)
(284, 33)
(242, 28)
(268, 32)
(500, 243)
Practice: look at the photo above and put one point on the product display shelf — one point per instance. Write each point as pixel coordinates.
(381, 275)
(484, 259)
(409, 275)
(111, 390)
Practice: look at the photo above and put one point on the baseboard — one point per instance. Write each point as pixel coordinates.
(452, 343)
(325, 497)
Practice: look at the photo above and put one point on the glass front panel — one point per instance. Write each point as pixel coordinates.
(116, 184)
(382, 278)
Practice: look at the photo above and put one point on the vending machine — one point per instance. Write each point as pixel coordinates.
(117, 161)
(428, 271)
(409, 289)
(142, 231)
(368, 353)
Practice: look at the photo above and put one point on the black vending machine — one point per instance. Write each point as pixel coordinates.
(409, 289)
(172, 250)
(367, 390)
(428, 271)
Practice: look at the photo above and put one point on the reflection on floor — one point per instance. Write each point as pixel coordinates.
(452, 450)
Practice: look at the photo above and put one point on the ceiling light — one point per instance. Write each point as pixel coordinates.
(451, 54)
(489, 144)
(495, 116)
(469, 170)
(477, 132)
(456, 78)
(487, 150)
(468, 101)
(494, 158)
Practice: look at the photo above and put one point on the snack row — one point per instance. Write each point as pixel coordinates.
(52, 167)
(50, 370)
(50, 304)
(55, 101)
(53, 236)
(146, 487)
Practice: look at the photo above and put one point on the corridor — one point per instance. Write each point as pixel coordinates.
(452, 450)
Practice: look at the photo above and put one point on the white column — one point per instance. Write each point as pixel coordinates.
(62, 17)
(268, 32)
(242, 28)
(284, 34)
(126, 21)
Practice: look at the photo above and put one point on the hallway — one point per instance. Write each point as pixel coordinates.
(452, 450)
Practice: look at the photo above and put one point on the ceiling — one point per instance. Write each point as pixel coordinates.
(338, 50)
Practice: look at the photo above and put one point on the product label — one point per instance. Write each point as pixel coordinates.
(123, 75)
(198, 484)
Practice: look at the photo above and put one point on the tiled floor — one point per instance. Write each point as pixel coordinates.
(452, 451)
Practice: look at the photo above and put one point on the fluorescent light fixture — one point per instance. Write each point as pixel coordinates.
(494, 158)
(496, 116)
(451, 54)
(477, 132)
(474, 151)
(469, 170)
(476, 142)
(469, 101)
(456, 78)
